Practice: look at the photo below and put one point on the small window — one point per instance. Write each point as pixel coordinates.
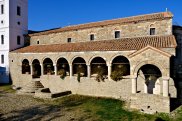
(18, 23)
(117, 34)
(2, 39)
(2, 59)
(18, 40)
(37, 42)
(2, 9)
(18, 11)
(69, 39)
(2, 22)
(92, 37)
(152, 31)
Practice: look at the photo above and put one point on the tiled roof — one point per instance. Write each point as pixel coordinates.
(105, 45)
(146, 17)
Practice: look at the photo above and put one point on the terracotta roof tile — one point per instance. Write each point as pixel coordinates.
(105, 45)
(146, 17)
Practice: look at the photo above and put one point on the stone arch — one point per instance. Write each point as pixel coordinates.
(25, 66)
(56, 60)
(113, 57)
(121, 64)
(79, 66)
(48, 66)
(36, 68)
(99, 66)
(150, 75)
(33, 59)
(95, 56)
(73, 58)
(62, 66)
(138, 66)
(42, 59)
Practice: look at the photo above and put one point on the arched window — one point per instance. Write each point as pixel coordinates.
(63, 67)
(2, 39)
(150, 74)
(98, 67)
(25, 67)
(2, 9)
(79, 67)
(36, 69)
(120, 68)
(48, 67)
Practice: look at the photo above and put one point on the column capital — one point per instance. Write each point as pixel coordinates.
(166, 78)
(54, 64)
(133, 76)
(108, 64)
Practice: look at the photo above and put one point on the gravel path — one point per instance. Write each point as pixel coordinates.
(15, 107)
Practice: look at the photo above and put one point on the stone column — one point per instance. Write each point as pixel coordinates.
(134, 84)
(55, 69)
(88, 71)
(31, 69)
(145, 88)
(109, 71)
(71, 71)
(165, 86)
(42, 69)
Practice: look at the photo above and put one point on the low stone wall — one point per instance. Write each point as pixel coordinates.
(88, 86)
(150, 103)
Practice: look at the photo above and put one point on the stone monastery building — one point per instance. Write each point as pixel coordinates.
(137, 59)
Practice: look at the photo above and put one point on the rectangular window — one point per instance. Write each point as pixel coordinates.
(18, 11)
(152, 31)
(69, 40)
(2, 9)
(2, 59)
(18, 40)
(92, 37)
(117, 34)
(2, 39)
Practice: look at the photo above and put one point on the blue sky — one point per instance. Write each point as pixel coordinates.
(47, 14)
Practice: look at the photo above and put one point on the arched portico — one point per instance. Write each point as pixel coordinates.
(48, 66)
(25, 66)
(98, 67)
(79, 66)
(120, 67)
(62, 66)
(36, 68)
(151, 71)
(150, 74)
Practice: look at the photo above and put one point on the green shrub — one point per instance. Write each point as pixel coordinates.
(62, 73)
(119, 72)
(80, 69)
(78, 77)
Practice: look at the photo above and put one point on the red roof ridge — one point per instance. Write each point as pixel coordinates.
(122, 44)
(137, 18)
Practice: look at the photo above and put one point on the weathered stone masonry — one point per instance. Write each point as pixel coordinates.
(135, 48)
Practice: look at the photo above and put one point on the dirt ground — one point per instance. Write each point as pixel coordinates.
(15, 107)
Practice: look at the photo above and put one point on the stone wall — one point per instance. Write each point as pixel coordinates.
(88, 86)
(163, 27)
(150, 103)
(109, 88)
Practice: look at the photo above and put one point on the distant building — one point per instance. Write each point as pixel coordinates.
(13, 25)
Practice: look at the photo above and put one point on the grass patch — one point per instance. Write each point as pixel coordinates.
(6, 88)
(105, 109)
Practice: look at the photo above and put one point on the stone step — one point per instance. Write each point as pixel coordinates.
(32, 87)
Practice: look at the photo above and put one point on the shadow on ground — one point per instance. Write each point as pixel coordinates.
(33, 113)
